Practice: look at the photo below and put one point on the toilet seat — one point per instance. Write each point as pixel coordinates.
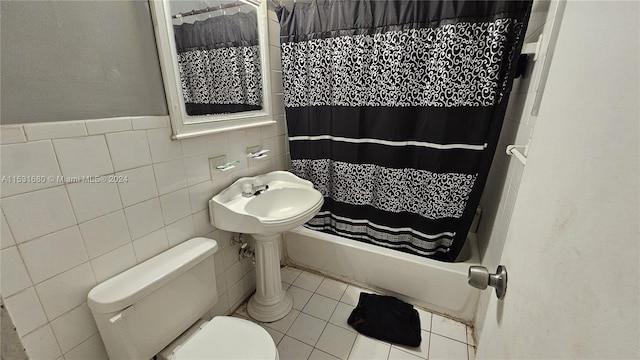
(226, 337)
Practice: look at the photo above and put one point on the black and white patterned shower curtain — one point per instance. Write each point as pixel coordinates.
(219, 63)
(394, 110)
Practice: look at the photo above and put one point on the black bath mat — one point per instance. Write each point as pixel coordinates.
(386, 318)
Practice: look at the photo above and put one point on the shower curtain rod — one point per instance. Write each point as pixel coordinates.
(210, 9)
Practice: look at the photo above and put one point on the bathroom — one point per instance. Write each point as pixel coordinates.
(83, 94)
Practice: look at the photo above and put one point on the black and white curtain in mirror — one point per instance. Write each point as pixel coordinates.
(219, 64)
(394, 110)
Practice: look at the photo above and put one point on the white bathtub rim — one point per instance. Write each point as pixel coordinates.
(460, 267)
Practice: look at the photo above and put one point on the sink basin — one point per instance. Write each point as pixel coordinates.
(287, 203)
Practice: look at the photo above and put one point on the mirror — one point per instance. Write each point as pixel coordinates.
(215, 64)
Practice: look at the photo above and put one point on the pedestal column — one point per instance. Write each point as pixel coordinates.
(270, 302)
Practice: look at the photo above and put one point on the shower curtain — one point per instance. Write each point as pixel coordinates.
(394, 110)
(219, 64)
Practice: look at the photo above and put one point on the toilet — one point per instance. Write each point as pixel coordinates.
(159, 304)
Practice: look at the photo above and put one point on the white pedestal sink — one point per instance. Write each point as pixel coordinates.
(287, 202)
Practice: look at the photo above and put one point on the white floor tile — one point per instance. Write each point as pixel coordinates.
(336, 341)
(321, 355)
(449, 328)
(292, 349)
(308, 281)
(351, 295)
(320, 307)
(317, 328)
(275, 335)
(441, 347)
(399, 354)
(366, 348)
(340, 316)
(307, 329)
(420, 351)
(242, 312)
(300, 296)
(283, 324)
(425, 319)
(289, 274)
(332, 289)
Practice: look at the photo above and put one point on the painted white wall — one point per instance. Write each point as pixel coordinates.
(572, 248)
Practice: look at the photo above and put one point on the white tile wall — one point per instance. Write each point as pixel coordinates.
(74, 327)
(113, 262)
(83, 156)
(200, 194)
(65, 291)
(35, 158)
(129, 149)
(12, 134)
(144, 218)
(181, 231)
(197, 169)
(53, 254)
(38, 213)
(91, 200)
(28, 312)
(93, 348)
(105, 233)
(16, 280)
(6, 237)
(176, 205)
(150, 245)
(162, 147)
(104, 126)
(52, 131)
(170, 176)
(110, 227)
(106, 237)
(140, 185)
(42, 344)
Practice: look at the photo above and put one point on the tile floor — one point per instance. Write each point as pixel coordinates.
(317, 326)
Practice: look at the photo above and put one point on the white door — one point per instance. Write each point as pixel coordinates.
(572, 249)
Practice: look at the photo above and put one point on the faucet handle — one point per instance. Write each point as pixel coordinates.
(247, 188)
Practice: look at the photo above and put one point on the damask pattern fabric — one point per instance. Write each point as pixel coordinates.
(451, 65)
(221, 76)
(428, 194)
(394, 110)
(219, 64)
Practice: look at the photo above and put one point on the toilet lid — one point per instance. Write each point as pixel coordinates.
(226, 337)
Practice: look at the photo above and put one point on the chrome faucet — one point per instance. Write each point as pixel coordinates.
(257, 188)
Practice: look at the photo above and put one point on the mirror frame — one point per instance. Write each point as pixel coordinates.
(183, 125)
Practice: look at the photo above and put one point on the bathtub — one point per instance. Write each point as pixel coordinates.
(434, 285)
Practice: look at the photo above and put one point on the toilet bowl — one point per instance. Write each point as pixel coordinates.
(155, 304)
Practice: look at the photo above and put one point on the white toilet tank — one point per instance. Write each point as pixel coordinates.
(143, 309)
